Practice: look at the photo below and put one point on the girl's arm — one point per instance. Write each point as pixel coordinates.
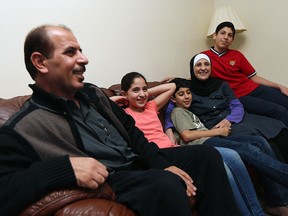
(162, 93)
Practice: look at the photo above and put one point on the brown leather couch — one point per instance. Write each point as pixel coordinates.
(74, 201)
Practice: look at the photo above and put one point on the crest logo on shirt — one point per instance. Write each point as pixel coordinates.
(232, 62)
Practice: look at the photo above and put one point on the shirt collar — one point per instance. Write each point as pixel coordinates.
(217, 53)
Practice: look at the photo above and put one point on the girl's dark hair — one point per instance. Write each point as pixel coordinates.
(180, 83)
(225, 24)
(128, 79)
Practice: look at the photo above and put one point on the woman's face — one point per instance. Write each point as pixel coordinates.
(137, 94)
(202, 69)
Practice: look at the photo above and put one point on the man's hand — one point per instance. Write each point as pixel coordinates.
(191, 189)
(89, 172)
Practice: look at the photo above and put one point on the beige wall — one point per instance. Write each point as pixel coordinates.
(154, 37)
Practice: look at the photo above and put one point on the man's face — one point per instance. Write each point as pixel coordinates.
(223, 39)
(65, 68)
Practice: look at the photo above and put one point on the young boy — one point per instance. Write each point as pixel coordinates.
(189, 129)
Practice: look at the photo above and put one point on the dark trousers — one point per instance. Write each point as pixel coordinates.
(267, 101)
(158, 192)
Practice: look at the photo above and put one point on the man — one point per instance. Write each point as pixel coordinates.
(71, 134)
(258, 95)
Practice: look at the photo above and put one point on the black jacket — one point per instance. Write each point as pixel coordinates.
(35, 145)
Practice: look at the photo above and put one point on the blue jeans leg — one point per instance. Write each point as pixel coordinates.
(241, 184)
(256, 151)
(275, 194)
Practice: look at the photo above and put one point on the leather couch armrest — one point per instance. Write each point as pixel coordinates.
(56, 200)
(95, 207)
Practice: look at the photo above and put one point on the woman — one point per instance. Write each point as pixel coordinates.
(135, 90)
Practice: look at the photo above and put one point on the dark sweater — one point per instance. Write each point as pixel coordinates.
(35, 145)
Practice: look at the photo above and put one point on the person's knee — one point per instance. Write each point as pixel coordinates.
(168, 182)
(280, 112)
(230, 156)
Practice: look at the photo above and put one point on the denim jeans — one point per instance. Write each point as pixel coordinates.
(256, 151)
(241, 184)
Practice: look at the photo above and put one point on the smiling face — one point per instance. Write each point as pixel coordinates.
(223, 39)
(182, 98)
(202, 69)
(62, 73)
(137, 94)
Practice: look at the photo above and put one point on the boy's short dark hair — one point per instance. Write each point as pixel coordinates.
(225, 24)
(180, 83)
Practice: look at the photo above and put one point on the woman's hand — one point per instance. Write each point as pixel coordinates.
(223, 123)
(167, 79)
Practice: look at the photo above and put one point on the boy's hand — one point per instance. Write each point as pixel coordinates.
(224, 131)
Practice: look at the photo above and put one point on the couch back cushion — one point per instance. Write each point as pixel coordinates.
(9, 106)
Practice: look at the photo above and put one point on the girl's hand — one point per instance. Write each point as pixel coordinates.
(190, 189)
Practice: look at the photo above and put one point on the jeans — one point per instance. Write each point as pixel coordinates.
(241, 184)
(256, 151)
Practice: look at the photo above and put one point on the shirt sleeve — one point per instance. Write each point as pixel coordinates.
(237, 111)
(246, 68)
(168, 122)
(236, 107)
(182, 121)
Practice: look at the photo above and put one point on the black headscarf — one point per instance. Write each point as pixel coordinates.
(203, 88)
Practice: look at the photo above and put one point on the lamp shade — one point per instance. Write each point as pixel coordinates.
(222, 14)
